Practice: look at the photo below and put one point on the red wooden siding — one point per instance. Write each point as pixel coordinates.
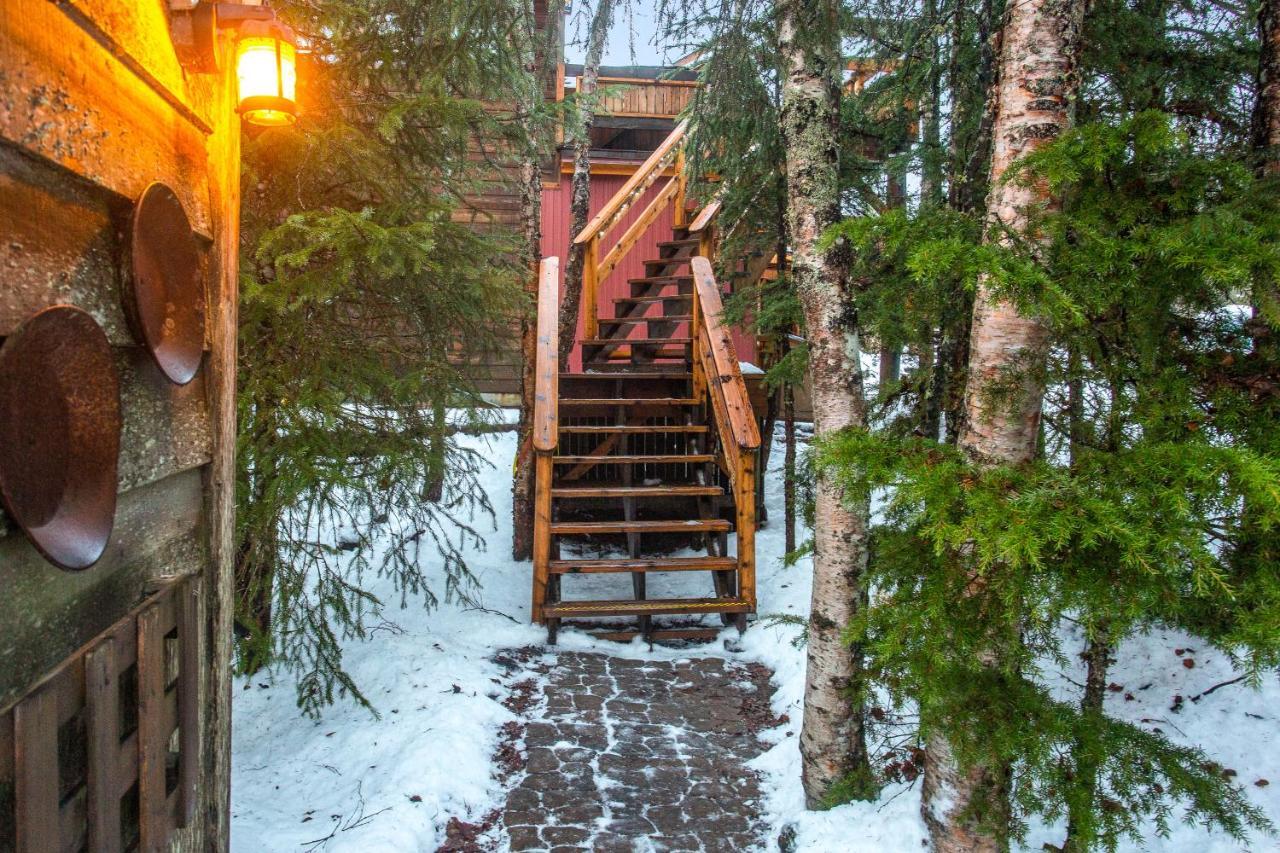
(556, 237)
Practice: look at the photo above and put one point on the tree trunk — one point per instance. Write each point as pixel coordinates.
(969, 178)
(1038, 83)
(530, 249)
(931, 112)
(580, 207)
(1266, 140)
(832, 738)
(1097, 656)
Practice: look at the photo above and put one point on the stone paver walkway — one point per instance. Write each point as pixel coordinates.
(634, 755)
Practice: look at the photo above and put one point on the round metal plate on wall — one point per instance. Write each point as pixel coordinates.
(60, 434)
(164, 298)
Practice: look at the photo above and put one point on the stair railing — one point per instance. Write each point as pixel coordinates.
(596, 269)
(718, 381)
(546, 423)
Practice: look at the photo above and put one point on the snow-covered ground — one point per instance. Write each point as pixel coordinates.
(353, 782)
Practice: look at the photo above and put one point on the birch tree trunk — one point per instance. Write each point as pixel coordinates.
(580, 206)
(832, 738)
(530, 189)
(1037, 85)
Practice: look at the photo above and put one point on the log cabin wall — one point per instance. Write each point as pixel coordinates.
(94, 107)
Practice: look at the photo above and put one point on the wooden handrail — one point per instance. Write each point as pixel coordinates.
(637, 229)
(546, 394)
(704, 217)
(727, 382)
(718, 378)
(645, 175)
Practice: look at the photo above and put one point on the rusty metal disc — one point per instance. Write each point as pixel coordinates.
(165, 301)
(60, 434)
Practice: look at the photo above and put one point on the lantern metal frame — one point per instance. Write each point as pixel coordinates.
(195, 32)
(279, 34)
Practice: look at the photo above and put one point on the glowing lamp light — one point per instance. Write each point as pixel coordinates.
(267, 70)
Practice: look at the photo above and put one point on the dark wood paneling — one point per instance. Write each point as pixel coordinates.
(48, 613)
(35, 736)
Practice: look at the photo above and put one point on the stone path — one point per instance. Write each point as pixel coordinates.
(633, 755)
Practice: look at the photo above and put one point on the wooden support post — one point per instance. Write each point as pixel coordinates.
(707, 243)
(698, 350)
(541, 532)
(102, 703)
(35, 739)
(680, 217)
(546, 417)
(591, 289)
(744, 502)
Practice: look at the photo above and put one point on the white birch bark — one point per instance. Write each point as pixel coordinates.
(580, 206)
(531, 229)
(1037, 85)
(832, 738)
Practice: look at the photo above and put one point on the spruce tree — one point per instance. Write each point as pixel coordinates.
(361, 281)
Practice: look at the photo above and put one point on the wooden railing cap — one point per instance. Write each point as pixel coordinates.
(546, 382)
(731, 385)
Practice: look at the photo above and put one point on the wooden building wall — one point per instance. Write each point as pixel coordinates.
(95, 106)
(638, 98)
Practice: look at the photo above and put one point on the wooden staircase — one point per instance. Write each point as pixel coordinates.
(650, 452)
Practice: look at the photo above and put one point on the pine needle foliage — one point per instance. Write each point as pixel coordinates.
(361, 278)
(1159, 476)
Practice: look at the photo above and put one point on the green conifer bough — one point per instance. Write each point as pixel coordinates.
(361, 279)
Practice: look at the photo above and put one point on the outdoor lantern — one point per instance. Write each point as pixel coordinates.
(266, 55)
(267, 71)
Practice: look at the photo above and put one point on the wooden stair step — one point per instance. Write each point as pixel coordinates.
(705, 635)
(680, 297)
(662, 279)
(635, 491)
(629, 374)
(658, 564)
(650, 607)
(690, 243)
(658, 459)
(656, 265)
(636, 342)
(633, 429)
(627, 401)
(675, 525)
(635, 321)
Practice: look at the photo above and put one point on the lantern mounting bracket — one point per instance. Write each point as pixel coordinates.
(195, 30)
